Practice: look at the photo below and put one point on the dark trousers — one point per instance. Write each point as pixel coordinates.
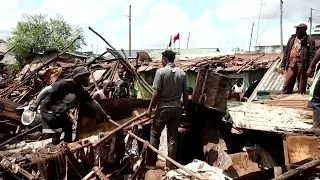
(53, 125)
(292, 75)
(170, 117)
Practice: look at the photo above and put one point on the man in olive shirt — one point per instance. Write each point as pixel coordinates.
(169, 84)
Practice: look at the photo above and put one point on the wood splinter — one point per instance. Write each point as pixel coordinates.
(193, 174)
(15, 168)
(99, 173)
(109, 135)
(299, 170)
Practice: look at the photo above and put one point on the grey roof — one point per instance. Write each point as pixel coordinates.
(157, 52)
(272, 81)
(9, 58)
(133, 53)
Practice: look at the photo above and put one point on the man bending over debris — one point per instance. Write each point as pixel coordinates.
(169, 84)
(58, 99)
(104, 93)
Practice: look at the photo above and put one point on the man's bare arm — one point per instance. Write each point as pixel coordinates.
(96, 96)
(154, 99)
(97, 108)
(315, 60)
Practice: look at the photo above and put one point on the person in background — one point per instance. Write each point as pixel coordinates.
(297, 56)
(121, 85)
(238, 87)
(169, 84)
(132, 91)
(57, 99)
(105, 92)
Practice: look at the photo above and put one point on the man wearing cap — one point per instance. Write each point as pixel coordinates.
(297, 56)
(57, 99)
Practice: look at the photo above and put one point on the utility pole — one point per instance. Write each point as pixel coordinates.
(130, 30)
(281, 30)
(310, 19)
(259, 23)
(251, 36)
(188, 40)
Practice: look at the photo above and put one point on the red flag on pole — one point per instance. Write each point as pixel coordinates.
(176, 37)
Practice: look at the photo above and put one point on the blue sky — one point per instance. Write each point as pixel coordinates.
(221, 23)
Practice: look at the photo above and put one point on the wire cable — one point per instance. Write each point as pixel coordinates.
(269, 23)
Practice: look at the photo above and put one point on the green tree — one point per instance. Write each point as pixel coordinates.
(38, 33)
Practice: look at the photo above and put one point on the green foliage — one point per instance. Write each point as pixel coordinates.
(38, 33)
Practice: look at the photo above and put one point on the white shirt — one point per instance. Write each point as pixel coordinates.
(238, 89)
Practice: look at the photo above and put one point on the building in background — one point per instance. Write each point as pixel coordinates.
(9, 58)
(272, 49)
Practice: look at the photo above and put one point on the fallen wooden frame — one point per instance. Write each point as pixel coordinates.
(109, 135)
(32, 73)
(195, 175)
(299, 170)
(15, 168)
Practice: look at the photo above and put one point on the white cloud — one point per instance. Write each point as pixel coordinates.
(9, 15)
(81, 12)
(226, 26)
(166, 19)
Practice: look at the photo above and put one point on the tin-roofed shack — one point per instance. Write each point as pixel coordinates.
(251, 67)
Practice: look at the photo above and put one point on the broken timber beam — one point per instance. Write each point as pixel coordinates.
(195, 175)
(99, 173)
(19, 135)
(15, 168)
(299, 170)
(118, 128)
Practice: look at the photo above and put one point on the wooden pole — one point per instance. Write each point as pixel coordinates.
(19, 135)
(188, 41)
(130, 30)
(299, 170)
(195, 175)
(281, 26)
(109, 135)
(251, 36)
(15, 168)
(99, 173)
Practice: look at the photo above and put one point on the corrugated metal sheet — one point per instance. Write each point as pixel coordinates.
(271, 81)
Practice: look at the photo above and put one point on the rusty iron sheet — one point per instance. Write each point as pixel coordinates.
(8, 110)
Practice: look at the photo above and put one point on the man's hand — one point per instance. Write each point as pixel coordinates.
(310, 72)
(149, 113)
(282, 70)
(107, 118)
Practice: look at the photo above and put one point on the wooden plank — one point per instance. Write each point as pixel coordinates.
(8, 109)
(301, 147)
(285, 151)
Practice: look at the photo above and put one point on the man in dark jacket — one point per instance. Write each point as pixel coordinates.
(298, 54)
